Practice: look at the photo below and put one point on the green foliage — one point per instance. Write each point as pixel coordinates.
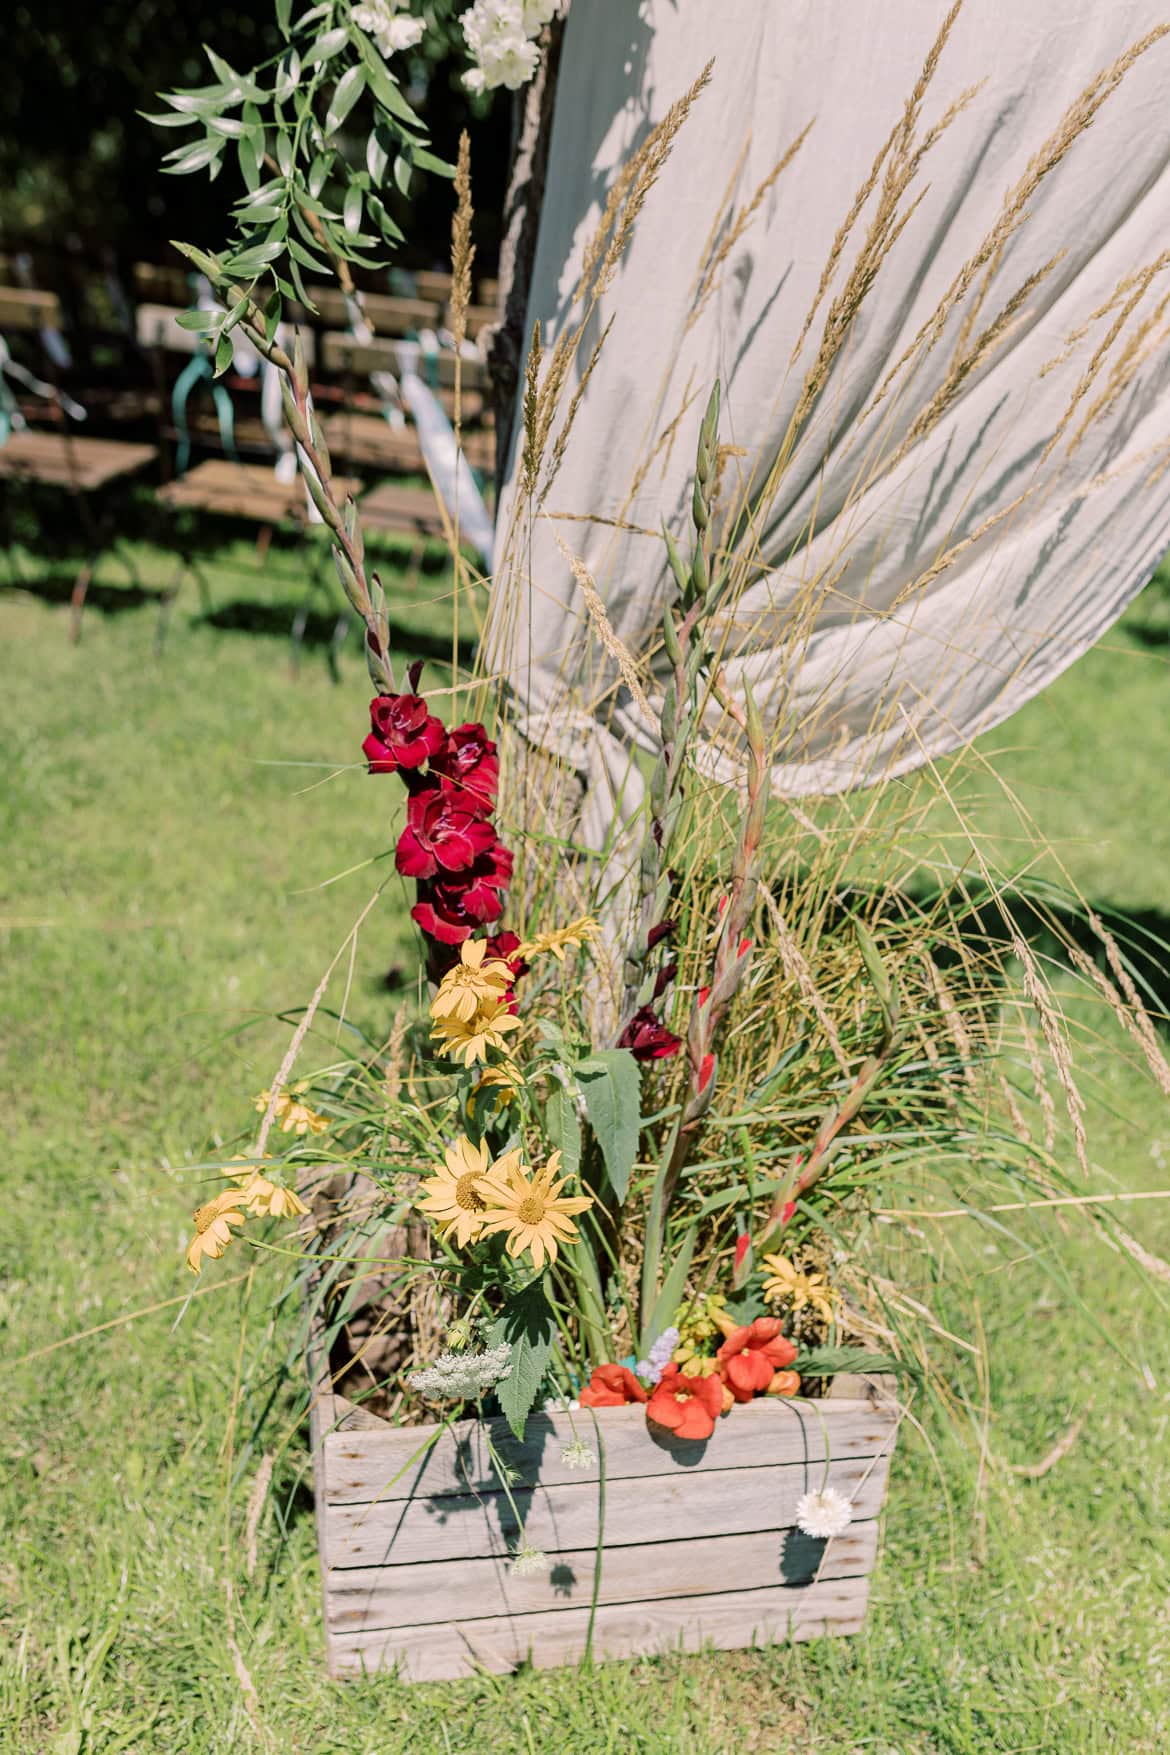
(611, 1086)
(528, 1327)
(312, 132)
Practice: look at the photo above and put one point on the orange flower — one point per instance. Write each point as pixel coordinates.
(750, 1357)
(686, 1406)
(785, 1383)
(611, 1386)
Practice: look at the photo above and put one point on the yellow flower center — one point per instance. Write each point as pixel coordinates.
(531, 1210)
(466, 1196)
(679, 1396)
(205, 1215)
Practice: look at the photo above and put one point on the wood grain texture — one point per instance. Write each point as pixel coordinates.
(380, 1597)
(27, 308)
(244, 490)
(61, 460)
(761, 1432)
(725, 1620)
(370, 440)
(342, 353)
(680, 1506)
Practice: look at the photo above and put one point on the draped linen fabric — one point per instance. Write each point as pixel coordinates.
(1045, 549)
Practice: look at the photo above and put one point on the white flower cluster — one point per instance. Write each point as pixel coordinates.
(391, 28)
(501, 37)
(462, 1377)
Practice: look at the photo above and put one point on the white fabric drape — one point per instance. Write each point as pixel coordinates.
(872, 690)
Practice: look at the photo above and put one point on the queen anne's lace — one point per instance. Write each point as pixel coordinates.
(462, 1377)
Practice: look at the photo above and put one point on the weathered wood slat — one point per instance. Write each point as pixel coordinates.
(370, 440)
(243, 490)
(62, 460)
(157, 326)
(678, 1505)
(453, 1590)
(725, 1620)
(27, 308)
(342, 353)
(762, 1432)
(397, 510)
(386, 313)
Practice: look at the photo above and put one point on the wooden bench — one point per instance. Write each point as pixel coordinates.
(370, 442)
(392, 509)
(344, 353)
(61, 459)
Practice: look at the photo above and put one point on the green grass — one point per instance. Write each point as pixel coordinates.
(162, 899)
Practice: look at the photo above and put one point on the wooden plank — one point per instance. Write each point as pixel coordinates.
(460, 1590)
(342, 353)
(725, 1620)
(28, 308)
(369, 439)
(396, 510)
(61, 460)
(760, 1432)
(681, 1506)
(244, 490)
(386, 314)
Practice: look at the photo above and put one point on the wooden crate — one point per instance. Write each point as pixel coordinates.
(698, 1544)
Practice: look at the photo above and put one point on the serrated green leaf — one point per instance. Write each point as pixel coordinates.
(349, 89)
(612, 1088)
(529, 1328)
(327, 46)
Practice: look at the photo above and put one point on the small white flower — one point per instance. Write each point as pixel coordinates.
(538, 13)
(823, 1514)
(527, 1560)
(460, 1377)
(579, 1455)
(390, 31)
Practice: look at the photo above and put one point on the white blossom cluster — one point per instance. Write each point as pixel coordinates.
(462, 1377)
(391, 28)
(501, 38)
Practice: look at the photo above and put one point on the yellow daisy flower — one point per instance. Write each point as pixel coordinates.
(788, 1284)
(470, 1039)
(535, 1214)
(560, 939)
(293, 1115)
(267, 1200)
(472, 983)
(213, 1228)
(452, 1197)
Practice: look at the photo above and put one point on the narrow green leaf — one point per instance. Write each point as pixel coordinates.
(227, 125)
(223, 355)
(352, 216)
(671, 1295)
(327, 46)
(283, 12)
(202, 322)
(284, 153)
(612, 1088)
(172, 119)
(377, 158)
(349, 89)
(287, 76)
(194, 158)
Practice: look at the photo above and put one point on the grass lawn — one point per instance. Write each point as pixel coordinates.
(162, 898)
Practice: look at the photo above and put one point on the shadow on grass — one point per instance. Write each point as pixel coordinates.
(106, 599)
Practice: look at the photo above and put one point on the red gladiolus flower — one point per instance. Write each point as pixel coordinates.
(504, 945)
(453, 905)
(706, 1068)
(750, 1357)
(686, 1406)
(469, 767)
(665, 977)
(787, 1211)
(742, 1244)
(647, 1039)
(659, 932)
(611, 1386)
(403, 733)
(440, 835)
